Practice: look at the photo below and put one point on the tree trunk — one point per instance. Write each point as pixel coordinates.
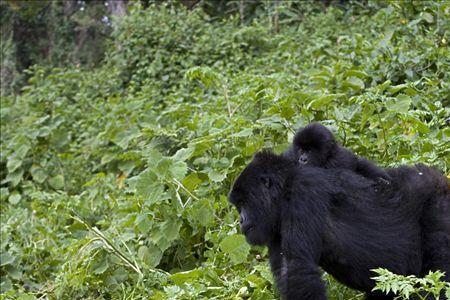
(117, 7)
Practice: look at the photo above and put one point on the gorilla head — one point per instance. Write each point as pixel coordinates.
(314, 145)
(255, 194)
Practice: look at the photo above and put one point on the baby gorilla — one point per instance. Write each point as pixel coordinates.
(315, 145)
(311, 217)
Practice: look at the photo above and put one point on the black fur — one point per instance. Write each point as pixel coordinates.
(312, 217)
(315, 145)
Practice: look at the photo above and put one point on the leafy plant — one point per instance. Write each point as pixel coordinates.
(411, 287)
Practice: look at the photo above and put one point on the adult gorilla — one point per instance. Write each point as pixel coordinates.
(312, 217)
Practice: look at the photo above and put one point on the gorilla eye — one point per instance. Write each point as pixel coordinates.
(266, 181)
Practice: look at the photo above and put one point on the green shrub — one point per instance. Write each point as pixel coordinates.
(411, 287)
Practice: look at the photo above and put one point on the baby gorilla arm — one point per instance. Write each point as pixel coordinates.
(382, 180)
(370, 170)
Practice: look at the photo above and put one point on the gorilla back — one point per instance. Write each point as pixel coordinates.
(332, 218)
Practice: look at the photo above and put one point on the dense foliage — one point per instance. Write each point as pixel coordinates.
(114, 180)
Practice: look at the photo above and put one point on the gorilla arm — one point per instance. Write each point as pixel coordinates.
(302, 225)
(369, 170)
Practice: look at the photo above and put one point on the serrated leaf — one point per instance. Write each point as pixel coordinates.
(235, 246)
(163, 167)
(153, 158)
(164, 234)
(202, 212)
(143, 223)
(148, 186)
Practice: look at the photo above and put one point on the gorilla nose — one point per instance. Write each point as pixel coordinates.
(303, 160)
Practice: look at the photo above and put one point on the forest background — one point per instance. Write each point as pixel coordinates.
(124, 124)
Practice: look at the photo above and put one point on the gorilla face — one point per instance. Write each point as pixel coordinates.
(254, 213)
(255, 195)
(312, 156)
(313, 144)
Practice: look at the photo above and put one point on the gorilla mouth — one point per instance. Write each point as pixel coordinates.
(247, 229)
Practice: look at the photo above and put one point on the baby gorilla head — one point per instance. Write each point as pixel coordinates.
(255, 194)
(313, 145)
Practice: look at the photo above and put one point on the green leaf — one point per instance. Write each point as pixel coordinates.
(191, 181)
(15, 177)
(39, 174)
(202, 212)
(400, 104)
(356, 73)
(151, 255)
(101, 266)
(178, 169)
(6, 259)
(4, 194)
(153, 158)
(123, 138)
(187, 276)
(164, 234)
(397, 88)
(13, 164)
(354, 83)
(14, 272)
(14, 198)
(236, 246)
(216, 176)
(183, 154)
(108, 157)
(57, 182)
(143, 223)
(148, 186)
(321, 102)
(428, 17)
(243, 133)
(22, 151)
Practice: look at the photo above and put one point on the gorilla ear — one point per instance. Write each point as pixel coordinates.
(266, 181)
